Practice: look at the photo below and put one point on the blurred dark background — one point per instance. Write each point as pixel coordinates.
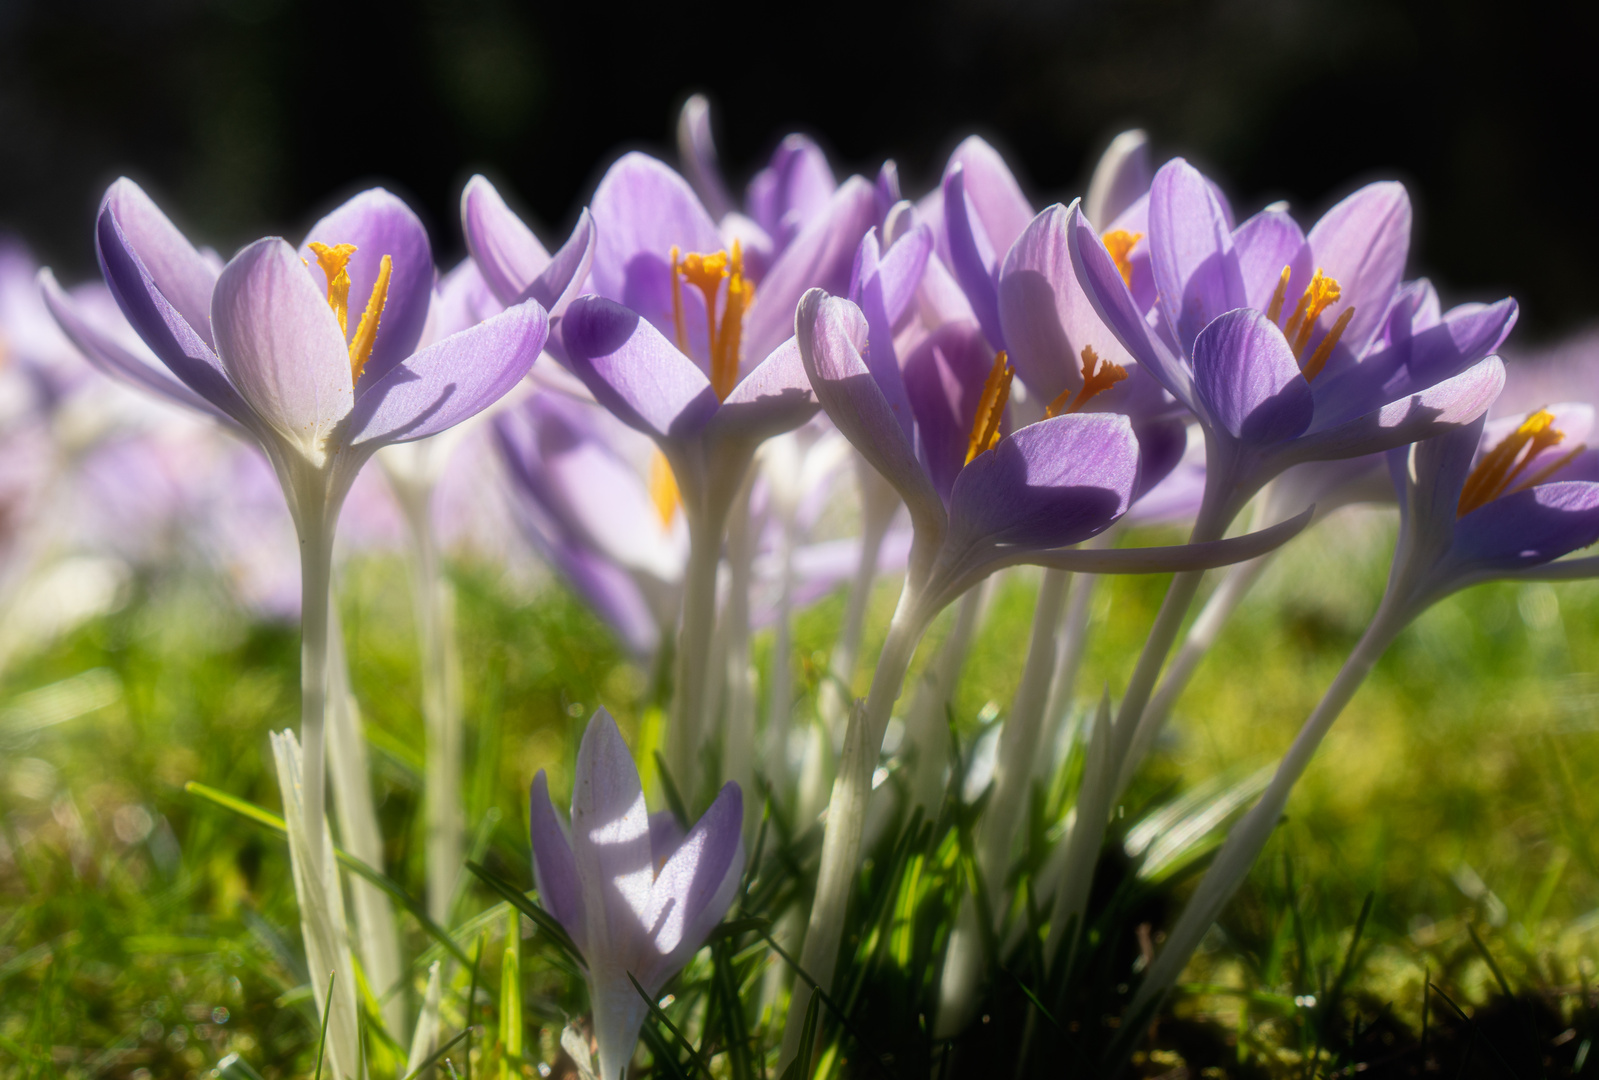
(245, 117)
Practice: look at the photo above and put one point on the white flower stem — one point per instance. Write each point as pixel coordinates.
(738, 740)
(846, 812)
(1073, 643)
(780, 683)
(316, 572)
(692, 691)
(926, 741)
(433, 602)
(1249, 836)
(879, 504)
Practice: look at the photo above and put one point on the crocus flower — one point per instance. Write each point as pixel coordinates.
(1480, 503)
(637, 896)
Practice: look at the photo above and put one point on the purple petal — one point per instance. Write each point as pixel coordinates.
(504, 248)
(111, 353)
(887, 287)
(281, 346)
(1422, 415)
(610, 841)
(1122, 175)
(666, 836)
(175, 268)
(830, 334)
(992, 188)
(820, 257)
(554, 870)
(1248, 380)
(1051, 484)
(697, 150)
(1529, 527)
(696, 886)
(774, 398)
(792, 189)
(1363, 243)
(1103, 285)
(380, 224)
(634, 371)
(1191, 248)
(642, 209)
(462, 300)
(1265, 244)
(944, 379)
(559, 283)
(974, 257)
(451, 381)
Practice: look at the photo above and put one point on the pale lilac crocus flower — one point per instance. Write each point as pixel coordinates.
(1484, 502)
(270, 342)
(636, 894)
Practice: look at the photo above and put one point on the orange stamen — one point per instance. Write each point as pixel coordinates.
(1274, 312)
(1319, 295)
(680, 332)
(333, 261)
(990, 407)
(1318, 359)
(366, 331)
(1120, 243)
(724, 357)
(1500, 466)
(663, 489)
(1098, 376)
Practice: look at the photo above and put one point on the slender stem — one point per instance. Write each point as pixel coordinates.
(780, 686)
(316, 571)
(1249, 836)
(738, 746)
(846, 812)
(878, 507)
(927, 720)
(689, 727)
(1073, 644)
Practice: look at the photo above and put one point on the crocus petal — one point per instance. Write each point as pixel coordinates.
(380, 224)
(820, 257)
(1363, 243)
(554, 870)
(694, 889)
(831, 334)
(774, 398)
(1422, 415)
(666, 836)
(504, 248)
(792, 189)
(281, 346)
(1248, 379)
(944, 379)
(884, 288)
(634, 371)
(462, 300)
(610, 839)
(992, 188)
(1051, 484)
(177, 270)
(1191, 248)
(1121, 176)
(1103, 285)
(126, 361)
(642, 209)
(974, 257)
(697, 150)
(559, 283)
(447, 383)
(1530, 527)
(1265, 244)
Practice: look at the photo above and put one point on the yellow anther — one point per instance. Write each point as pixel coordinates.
(366, 331)
(679, 330)
(1319, 295)
(1318, 359)
(724, 354)
(1120, 244)
(990, 407)
(1500, 466)
(1098, 376)
(663, 489)
(1275, 311)
(334, 261)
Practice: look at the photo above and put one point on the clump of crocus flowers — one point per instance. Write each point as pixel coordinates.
(706, 414)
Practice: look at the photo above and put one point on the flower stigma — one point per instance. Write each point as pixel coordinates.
(1098, 376)
(1120, 243)
(333, 260)
(1500, 467)
(705, 273)
(1322, 293)
(990, 407)
(663, 489)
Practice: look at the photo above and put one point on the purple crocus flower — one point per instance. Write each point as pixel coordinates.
(636, 894)
(1290, 346)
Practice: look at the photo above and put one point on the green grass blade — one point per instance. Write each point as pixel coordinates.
(327, 1011)
(438, 1056)
(665, 1021)
(519, 900)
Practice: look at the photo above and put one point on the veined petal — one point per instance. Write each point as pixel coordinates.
(378, 224)
(1122, 175)
(697, 150)
(1248, 379)
(831, 334)
(1191, 247)
(695, 887)
(281, 346)
(774, 398)
(974, 257)
(944, 379)
(631, 369)
(793, 188)
(998, 199)
(1422, 415)
(884, 287)
(820, 257)
(611, 844)
(642, 209)
(1050, 484)
(177, 270)
(1363, 243)
(461, 301)
(1265, 244)
(504, 248)
(446, 383)
(1103, 285)
(1527, 528)
(554, 870)
(559, 283)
